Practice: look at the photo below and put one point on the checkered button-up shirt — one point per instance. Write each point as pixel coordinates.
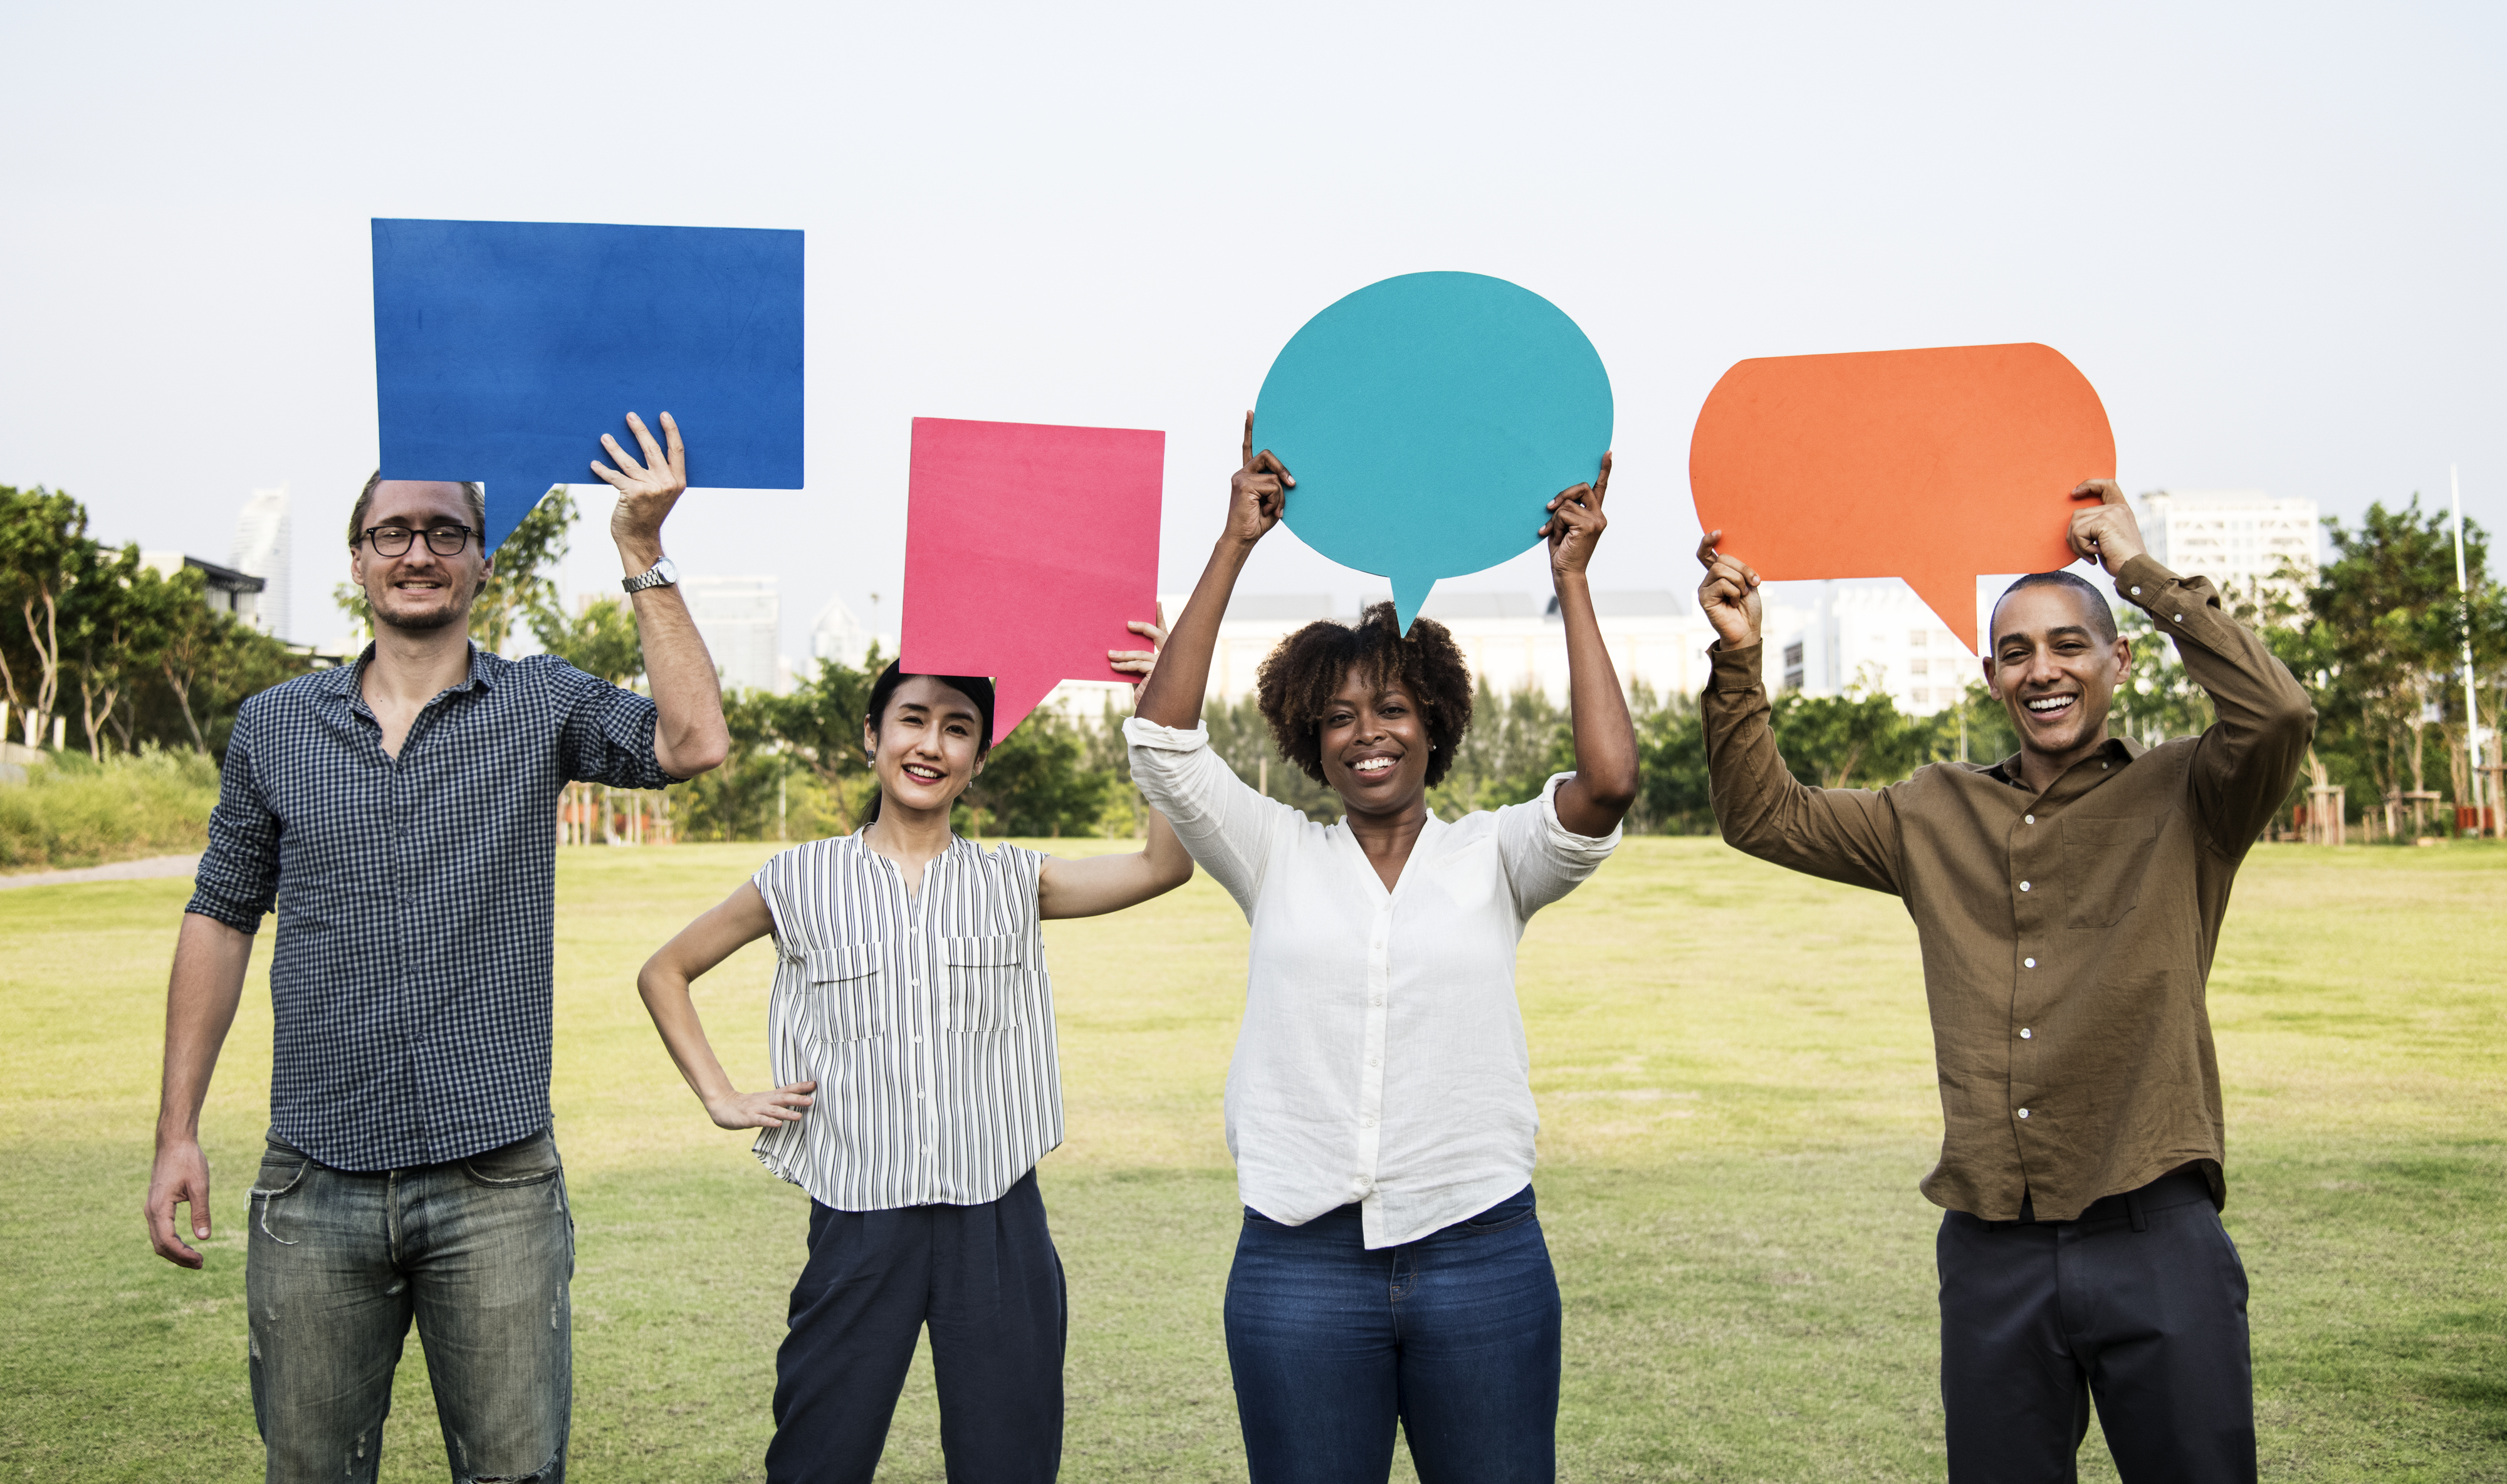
(415, 895)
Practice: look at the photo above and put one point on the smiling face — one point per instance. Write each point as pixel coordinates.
(2054, 669)
(1376, 746)
(927, 747)
(419, 589)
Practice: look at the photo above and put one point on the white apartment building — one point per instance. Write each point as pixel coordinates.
(1876, 632)
(2236, 537)
(265, 547)
(739, 619)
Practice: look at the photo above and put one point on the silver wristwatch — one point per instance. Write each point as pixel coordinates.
(661, 574)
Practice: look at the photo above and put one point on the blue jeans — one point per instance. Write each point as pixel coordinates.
(479, 1251)
(1455, 1336)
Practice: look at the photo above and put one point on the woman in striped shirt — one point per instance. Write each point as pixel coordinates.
(911, 1027)
(1391, 1270)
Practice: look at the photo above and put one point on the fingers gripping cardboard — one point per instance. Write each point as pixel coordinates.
(1936, 465)
(1028, 549)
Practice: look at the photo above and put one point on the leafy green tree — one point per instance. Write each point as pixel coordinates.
(1242, 739)
(2383, 641)
(1857, 740)
(1036, 781)
(519, 585)
(119, 617)
(43, 547)
(820, 726)
(601, 639)
(1672, 795)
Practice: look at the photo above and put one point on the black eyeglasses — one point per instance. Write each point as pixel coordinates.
(393, 541)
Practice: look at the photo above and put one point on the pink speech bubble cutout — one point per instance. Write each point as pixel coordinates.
(1028, 548)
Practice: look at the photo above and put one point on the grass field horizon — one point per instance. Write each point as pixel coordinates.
(1736, 1091)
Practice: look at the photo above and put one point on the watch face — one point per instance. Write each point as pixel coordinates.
(667, 569)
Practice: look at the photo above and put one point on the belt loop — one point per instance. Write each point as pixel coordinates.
(2132, 1205)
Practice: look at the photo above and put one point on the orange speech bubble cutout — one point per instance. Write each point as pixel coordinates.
(1934, 465)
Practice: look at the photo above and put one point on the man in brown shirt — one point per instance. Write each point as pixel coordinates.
(2067, 900)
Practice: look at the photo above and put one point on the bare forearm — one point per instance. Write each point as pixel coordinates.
(689, 737)
(1605, 741)
(1172, 696)
(201, 1000)
(664, 992)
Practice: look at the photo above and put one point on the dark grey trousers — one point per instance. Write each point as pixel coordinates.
(2141, 1303)
(987, 1281)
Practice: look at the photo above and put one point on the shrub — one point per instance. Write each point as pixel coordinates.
(72, 812)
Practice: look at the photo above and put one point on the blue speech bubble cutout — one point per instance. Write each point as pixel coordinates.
(503, 350)
(1428, 420)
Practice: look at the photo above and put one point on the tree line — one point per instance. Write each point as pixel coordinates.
(131, 658)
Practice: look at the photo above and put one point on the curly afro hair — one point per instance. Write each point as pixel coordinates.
(1300, 677)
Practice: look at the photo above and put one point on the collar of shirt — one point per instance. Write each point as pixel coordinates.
(2077, 780)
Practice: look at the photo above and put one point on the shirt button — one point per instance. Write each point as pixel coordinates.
(1374, 1062)
(2180, 618)
(2027, 964)
(2031, 819)
(2023, 1112)
(2136, 591)
(2023, 1036)
(2023, 885)
(1366, 1122)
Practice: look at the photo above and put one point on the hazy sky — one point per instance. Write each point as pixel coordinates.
(2270, 236)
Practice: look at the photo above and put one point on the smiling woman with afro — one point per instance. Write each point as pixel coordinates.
(1380, 1104)
(1302, 677)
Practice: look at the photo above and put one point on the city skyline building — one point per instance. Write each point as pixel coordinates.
(2239, 538)
(739, 618)
(265, 547)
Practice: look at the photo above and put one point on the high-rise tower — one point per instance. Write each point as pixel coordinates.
(264, 547)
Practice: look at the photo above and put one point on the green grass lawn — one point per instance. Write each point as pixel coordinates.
(1737, 1100)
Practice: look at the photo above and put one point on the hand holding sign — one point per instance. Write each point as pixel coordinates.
(1030, 552)
(1430, 418)
(1936, 466)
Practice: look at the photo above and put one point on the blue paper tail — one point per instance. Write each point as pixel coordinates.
(507, 505)
(1409, 596)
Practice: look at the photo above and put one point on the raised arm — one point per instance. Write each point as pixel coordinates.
(1594, 801)
(1257, 498)
(2245, 763)
(1103, 884)
(739, 919)
(689, 736)
(1846, 835)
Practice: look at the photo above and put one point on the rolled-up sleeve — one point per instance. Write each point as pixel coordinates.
(607, 733)
(1226, 825)
(1544, 859)
(238, 874)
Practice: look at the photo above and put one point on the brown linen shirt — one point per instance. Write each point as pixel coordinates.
(2068, 935)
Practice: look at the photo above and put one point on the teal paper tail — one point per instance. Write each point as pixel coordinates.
(1409, 596)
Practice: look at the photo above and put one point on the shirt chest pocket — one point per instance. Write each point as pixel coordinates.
(2104, 861)
(987, 980)
(845, 997)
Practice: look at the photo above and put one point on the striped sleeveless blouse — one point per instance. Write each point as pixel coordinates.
(925, 1020)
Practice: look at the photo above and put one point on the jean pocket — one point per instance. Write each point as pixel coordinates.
(1505, 1215)
(529, 1161)
(986, 974)
(281, 1168)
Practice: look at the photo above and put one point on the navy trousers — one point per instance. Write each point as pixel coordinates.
(987, 1281)
(2141, 1303)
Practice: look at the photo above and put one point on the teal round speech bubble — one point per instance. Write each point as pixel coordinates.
(1428, 420)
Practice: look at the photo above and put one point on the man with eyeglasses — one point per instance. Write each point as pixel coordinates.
(400, 813)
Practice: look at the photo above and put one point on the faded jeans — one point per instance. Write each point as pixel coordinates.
(479, 1251)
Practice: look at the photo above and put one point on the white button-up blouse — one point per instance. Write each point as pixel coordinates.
(1382, 1059)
